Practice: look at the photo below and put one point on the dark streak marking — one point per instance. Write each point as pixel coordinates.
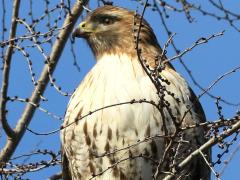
(115, 172)
(95, 130)
(73, 136)
(92, 168)
(122, 176)
(78, 116)
(94, 147)
(107, 147)
(136, 132)
(109, 134)
(147, 133)
(117, 134)
(88, 140)
(85, 128)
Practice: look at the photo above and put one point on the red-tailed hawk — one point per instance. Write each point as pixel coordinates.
(129, 140)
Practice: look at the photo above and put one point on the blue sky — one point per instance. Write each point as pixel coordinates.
(207, 62)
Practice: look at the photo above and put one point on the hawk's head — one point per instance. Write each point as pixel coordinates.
(111, 29)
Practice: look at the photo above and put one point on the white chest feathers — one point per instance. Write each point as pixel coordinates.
(114, 124)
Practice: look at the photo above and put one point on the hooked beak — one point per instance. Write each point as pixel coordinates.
(82, 31)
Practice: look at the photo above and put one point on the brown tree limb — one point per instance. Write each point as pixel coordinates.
(6, 71)
(29, 111)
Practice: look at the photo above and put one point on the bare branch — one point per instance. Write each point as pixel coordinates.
(6, 71)
(198, 42)
(211, 142)
(57, 49)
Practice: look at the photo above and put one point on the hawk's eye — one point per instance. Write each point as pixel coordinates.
(106, 21)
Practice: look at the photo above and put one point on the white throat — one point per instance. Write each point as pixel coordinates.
(121, 66)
